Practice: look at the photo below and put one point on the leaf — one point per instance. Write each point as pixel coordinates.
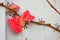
(27, 16)
(15, 24)
(14, 7)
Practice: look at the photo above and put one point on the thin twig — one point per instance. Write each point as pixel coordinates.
(53, 7)
(46, 24)
(14, 12)
(39, 23)
(25, 38)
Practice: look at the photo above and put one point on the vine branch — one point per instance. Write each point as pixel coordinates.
(39, 23)
(53, 7)
(14, 12)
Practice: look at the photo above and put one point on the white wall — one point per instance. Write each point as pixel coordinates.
(40, 9)
(2, 22)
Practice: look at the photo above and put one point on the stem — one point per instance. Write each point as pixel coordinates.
(39, 23)
(46, 24)
(14, 12)
(53, 7)
(25, 38)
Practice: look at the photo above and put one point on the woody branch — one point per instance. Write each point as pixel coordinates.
(39, 22)
(53, 7)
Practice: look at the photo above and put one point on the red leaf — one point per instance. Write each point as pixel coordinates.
(27, 16)
(14, 7)
(15, 25)
(17, 22)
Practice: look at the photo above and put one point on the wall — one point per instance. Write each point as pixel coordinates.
(2, 22)
(40, 9)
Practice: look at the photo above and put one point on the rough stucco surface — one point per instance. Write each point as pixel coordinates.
(40, 9)
(2, 22)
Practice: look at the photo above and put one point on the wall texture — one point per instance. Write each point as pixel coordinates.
(2, 22)
(38, 8)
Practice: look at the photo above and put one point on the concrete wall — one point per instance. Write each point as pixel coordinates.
(38, 8)
(2, 22)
